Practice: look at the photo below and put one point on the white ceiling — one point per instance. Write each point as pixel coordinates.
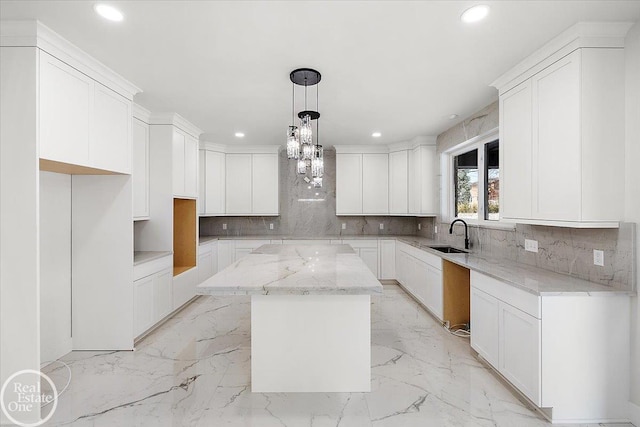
(398, 67)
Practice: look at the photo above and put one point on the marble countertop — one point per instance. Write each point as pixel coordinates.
(206, 239)
(295, 270)
(528, 278)
(140, 257)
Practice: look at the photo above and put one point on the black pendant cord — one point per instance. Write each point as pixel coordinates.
(318, 119)
(293, 104)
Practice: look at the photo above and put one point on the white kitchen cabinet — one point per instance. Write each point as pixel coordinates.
(421, 274)
(245, 247)
(212, 183)
(66, 101)
(375, 184)
(484, 321)
(387, 262)
(399, 182)
(82, 122)
(153, 299)
(143, 296)
(207, 260)
(422, 186)
(226, 253)
(110, 139)
(367, 250)
(264, 184)
(515, 152)
(519, 359)
(185, 165)
(238, 184)
(348, 184)
(554, 118)
(140, 170)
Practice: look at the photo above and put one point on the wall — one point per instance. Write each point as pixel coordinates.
(477, 124)
(632, 211)
(55, 265)
(308, 211)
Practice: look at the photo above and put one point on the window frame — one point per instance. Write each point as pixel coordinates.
(447, 166)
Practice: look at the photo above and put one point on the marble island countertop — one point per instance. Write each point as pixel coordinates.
(531, 279)
(295, 270)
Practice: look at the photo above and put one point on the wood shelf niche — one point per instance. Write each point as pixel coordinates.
(456, 293)
(184, 235)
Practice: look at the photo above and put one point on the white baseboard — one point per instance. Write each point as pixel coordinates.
(634, 414)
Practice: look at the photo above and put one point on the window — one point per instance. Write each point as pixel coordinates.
(471, 180)
(465, 175)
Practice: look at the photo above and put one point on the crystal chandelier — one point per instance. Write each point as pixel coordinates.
(300, 146)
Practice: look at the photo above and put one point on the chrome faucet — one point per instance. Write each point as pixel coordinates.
(466, 231)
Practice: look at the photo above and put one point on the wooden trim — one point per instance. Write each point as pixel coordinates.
(455, 293)
(184, 235)
(69, 169)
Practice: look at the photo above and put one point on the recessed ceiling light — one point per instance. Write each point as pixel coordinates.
(108, 12)
(453, 116)
(475, 13)
(376, 134)
(239, 135)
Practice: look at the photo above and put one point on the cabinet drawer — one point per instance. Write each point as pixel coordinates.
(205, 248)
(151, 267)
(509, 294)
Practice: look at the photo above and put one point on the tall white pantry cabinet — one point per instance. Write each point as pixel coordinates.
(63, 112)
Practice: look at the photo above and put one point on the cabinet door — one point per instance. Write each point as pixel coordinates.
(66, 100)
(265, 184)
(226, 249)
(370, 257)
(190, 167)
(205, 266)
(110, 141)
(143, 297)
(238, 184)
(516, 152)
(427, 179)
(348, 184)
(520, 350)
(375, 184)
(178, 151)
(214, 192)
(556, 138)
(398, 182)
(387, 259)
(414, 181)
(433, 298)
(140, 170)
(484, 325)
(164, 293)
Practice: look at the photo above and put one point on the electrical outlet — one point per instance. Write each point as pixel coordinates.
(419, 226)
(435, 229)
(381, 226)
(530, 245)
(224, 226)
(270, 226)
(598, 258)
(344, 225)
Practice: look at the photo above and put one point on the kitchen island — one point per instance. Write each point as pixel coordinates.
(310, 316)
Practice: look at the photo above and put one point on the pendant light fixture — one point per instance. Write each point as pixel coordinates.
(300, 146)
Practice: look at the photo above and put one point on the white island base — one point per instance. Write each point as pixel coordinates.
(310, 343)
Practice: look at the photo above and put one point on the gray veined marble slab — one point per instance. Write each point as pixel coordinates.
(295, 270)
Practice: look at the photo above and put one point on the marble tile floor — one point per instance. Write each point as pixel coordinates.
(195, 371)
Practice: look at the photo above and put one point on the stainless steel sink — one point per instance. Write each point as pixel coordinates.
(449, 250)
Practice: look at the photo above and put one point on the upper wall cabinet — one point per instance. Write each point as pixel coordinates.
(251, 186)
(372, 181)
(185, 165)
(562, 131)
(184, 152)
(82, 122)
(212, 183)
(140, 166)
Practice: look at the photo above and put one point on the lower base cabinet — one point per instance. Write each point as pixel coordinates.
(153, 293)
(207, 260)
(565, 352)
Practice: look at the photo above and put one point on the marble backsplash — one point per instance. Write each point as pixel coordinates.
(562, 250)
(308, 211)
